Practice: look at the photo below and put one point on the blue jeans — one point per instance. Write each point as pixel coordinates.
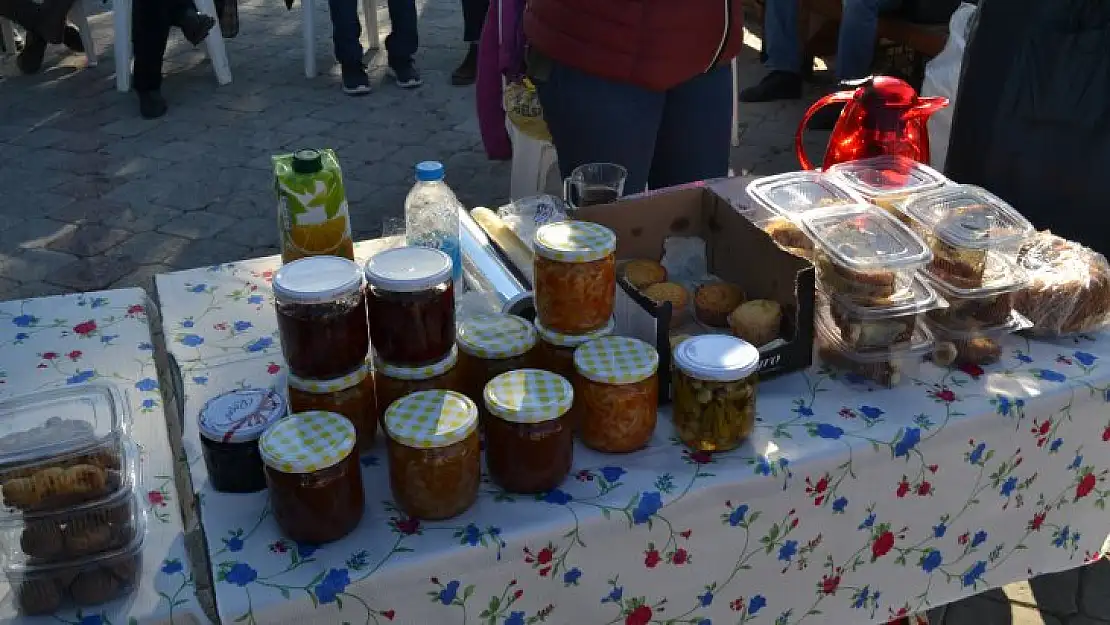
(400, 45)
(662, 138)
(855, 48)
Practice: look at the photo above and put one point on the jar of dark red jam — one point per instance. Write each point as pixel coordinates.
(529, 433)
(230, 426)
(313, 476)
(411, 301)
(321, 317)
(351, 396)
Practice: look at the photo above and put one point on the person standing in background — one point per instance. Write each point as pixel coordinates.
(151, 21)
(474, 15)
(638, 83)
(400, 44)
(44, 23)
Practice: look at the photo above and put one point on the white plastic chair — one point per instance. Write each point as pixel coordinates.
(308, 16)
(77, 17)
(121, 20)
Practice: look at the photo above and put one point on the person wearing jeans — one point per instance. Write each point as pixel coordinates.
(474, 16)
(151, 21)
(400, 45)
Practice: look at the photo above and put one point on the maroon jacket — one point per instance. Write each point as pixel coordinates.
(655, 44)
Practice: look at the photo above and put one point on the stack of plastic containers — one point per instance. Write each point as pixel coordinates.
(71, 529)
(975, 238)
(887, 181)
(780, 202)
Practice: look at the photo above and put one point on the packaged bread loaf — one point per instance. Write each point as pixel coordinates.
(1069, 286)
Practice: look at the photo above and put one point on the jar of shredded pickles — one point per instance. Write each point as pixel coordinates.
(617, 391)
(434, 455)
(529, 433)
(491, 344)
(575, 276)
(394, 382)
(714, 391)
(351, 396)
(555, 352)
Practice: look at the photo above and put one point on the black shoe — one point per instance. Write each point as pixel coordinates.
(71, 37)
(407, 77)
(467, 72)
(778, 85)
(195, 26)
(151, 104)
(29, 60)
(355, 80)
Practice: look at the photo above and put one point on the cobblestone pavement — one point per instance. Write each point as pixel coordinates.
(98, 198)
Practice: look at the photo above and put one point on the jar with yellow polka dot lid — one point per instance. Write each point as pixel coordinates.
(491, 344)
(394, 382)
(575, 276)
(529, 431)
(617, 390)
(435, 463)
(351, 396)
(313, 476)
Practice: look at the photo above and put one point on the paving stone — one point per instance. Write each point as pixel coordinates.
(251, 232)
(143, 277)
(207, 252)
(981, 611)
(33, 233)
(34, 264)
(8, 288)
(1094, 589)
(1057, 593)
(148, 248)
(198, 225)
(89, 274)
(88, 240)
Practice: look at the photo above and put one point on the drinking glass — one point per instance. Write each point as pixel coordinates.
(594, 183)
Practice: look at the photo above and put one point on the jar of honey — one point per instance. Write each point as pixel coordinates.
(351, 396)
(529, 433)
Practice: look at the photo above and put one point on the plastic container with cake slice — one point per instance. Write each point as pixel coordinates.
(974, 346)
(884, 367)
(864, 255)
(869, 328)
(989, 304)
(887, 181)
(781, 200)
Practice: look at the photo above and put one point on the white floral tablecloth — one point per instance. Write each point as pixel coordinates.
(104, 337)
(849, 505)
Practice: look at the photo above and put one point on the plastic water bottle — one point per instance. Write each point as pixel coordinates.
(432, 216)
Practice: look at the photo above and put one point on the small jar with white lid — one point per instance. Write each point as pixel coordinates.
(411, 301)
(321, 317)
(230, 426)
(714, 391)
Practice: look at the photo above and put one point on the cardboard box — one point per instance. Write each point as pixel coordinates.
(737, 252)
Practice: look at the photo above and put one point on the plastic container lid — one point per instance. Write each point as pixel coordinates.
(716, 358)
(333, 385)
(574, 241)
(1002, 275)
(240, 415)
(919, 345)
(408, 269)
(791, 194)
(429, 171)
(884, 176)
(427, 419)
(616, 360)
(919, 297)
(307, 441)
(317, 280)
(57, 422)
(419, 373)
(1016, 323)
(572, 340)
(966, 216)
(495, 336)
(528, 396)
(865, 238)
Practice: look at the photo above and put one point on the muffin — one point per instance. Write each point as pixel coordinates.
(673, 293)
(757, 321)
(713, 303)
(642, 273)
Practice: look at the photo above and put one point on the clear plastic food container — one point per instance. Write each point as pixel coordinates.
(68, 536)
(863, 254)
(974, 346)
(887, 181)
(889, 367)
(791, 194)
(864, 328)
(989, 304)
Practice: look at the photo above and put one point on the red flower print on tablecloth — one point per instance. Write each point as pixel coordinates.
(640, 615)
(924, 488)
(829, 583)
(882, 545)
(85, 328)
(1037, 521)
(972, 370)
(651, 557)
(1106, 434)
(405, 526)
(135, 310)
(680, 557)
(388, 614)
(48, 355)
(74, 355)
(1085, 486)
(818, 490)
(1041, 430)
(273, 368)
(903, 487)
(156, 498)
(943, 394)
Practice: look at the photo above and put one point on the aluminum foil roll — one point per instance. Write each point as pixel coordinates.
(486, 273)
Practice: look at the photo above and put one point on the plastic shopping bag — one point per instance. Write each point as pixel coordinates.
(942, 78)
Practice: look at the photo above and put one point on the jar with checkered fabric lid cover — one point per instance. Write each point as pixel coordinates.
(313, 476)
(529, 430)
(575, 274)
(491, 344)
(351, 396)
(392, 382)
(617, 390)
(435, 464)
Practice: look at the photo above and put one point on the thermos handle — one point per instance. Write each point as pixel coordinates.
(832, 98)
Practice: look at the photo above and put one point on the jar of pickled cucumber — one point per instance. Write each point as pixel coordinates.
(714, 391)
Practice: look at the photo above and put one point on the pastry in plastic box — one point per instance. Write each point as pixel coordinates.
(886, 181)
(71, 534)
(757, 322)
(675, 294)
(888, 367)
(987, 305)
(789, 237)
(973, 346)
(1069, 286)
(791, 194)
(642, 273)
(865, 328)
(714, 301)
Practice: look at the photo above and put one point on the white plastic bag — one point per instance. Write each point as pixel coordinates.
(942, 78)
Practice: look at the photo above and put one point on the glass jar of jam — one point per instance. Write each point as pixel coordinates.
(314, 478)
(411, 301)
(529, 433)
(555, 352)
(321, 317)
(394, 382)
(434, 456)
(714, 391)
(575, 276)
(617, 393)
(230, 426)
(491, 344)
(351, 396)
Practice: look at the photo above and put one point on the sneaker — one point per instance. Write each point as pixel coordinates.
(71, 37)
(29, 60)
(355, 80)
(777, 85)
(406, 77)
(467, 71)
(151, 104)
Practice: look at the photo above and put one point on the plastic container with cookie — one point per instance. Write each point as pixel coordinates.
(969, 230)
(886, 367)
(887, 181)
(989, 304)
(978, 346)
(866, 328)
(790, 195)
(864, 255)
